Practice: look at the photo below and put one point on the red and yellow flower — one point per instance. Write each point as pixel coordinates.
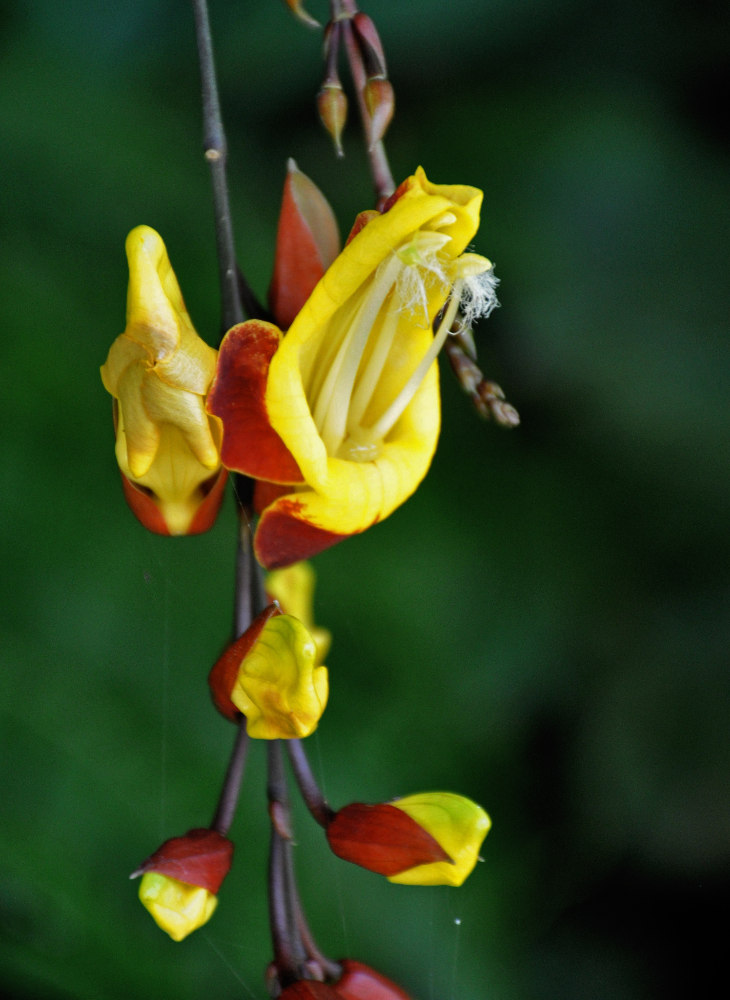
(339, 418)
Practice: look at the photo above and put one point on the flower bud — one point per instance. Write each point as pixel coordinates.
(360, 982)
(332, 110)
(295, 6)
(427, 839)
(380, 102)
(307, 241)
(368, 41)
(274, 678)
(181, 880)
(309, 989)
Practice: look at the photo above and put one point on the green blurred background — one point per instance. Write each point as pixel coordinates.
(543, 627)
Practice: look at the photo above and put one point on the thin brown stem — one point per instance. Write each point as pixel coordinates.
(228, 800)
(311, 792)
(379, 166)
(289, 951)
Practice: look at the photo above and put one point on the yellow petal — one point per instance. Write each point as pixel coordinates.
(458, 824)
(279, 688)
(177, 908)
(293, 588)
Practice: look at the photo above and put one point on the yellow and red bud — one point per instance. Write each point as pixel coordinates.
(222, 677)
(382, 839)
(428, 839)
(357, 982)
(271, 674)
(181, 880)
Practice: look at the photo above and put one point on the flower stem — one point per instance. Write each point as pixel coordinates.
(344, 10)
(311, 792)
(289, 952)
(226, 808)
(237, 298)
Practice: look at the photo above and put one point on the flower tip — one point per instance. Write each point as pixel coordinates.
(295, 6)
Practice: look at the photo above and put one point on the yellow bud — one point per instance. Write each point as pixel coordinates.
(176, 907)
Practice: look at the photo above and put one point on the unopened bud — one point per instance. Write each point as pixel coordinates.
(332, 108)
(380, 102)
(360, 982)
(295, 6)
(369, 44)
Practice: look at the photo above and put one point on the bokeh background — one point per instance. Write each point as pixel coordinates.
(543, 627)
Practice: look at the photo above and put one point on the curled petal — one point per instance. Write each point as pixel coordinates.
(279, 688)
(236, 397)
(293, 588)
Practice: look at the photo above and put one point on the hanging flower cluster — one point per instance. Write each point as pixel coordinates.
(328, 418)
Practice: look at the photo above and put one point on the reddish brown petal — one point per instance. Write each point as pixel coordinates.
(382, 839)
(309, 989)
(143, 507)
(283, 538)
(237, 397)
(265, 493)
(306, 244)
(202, 857)
(207, 512)
(360, 222)
(359, 982)
(222, 677)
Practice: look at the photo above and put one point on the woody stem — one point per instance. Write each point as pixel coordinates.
(228, 800)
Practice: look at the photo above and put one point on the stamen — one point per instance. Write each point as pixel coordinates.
(385, 423)
(368, 381)
(331, 407)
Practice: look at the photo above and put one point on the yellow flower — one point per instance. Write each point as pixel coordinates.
(177, 908)
(457, 824)
(279, 687)
(158, 372)
(347, 415)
